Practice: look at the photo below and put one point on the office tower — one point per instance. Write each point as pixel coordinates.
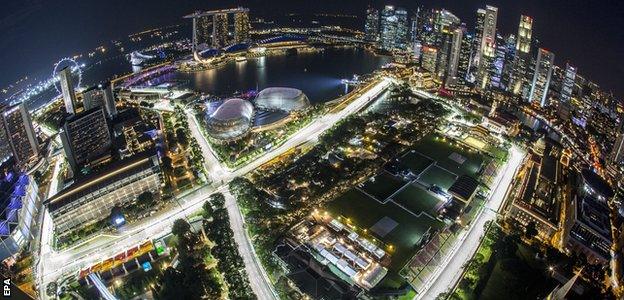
(389, 23)
(541, 77)
(425, 27)
(567, 86)
(241, 26)
(478, 36)
(19, 134)
(510, 54)
(100, 96)
(417, 50)
(496, 69)
(86, 138)
(429, 58)
(486, 53)
(67, 88)
(371, 27)
(454, 58)
(446, 39)
(520, 74)
(402, 35)
(465, 54)
(414, 27)
(219, 30)
(5, 146)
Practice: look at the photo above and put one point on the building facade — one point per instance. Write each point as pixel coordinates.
(19, 134)
(86, 137)
(541, 77)
(21, 205)
(91, 198)
(67, 89)
(371, 27)
(242, 26)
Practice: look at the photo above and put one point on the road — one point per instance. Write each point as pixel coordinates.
(257, 276)
(55, 264)
(450, 270)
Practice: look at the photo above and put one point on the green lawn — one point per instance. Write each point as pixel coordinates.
(417, 200)
(415, 161)
(383, 186)
(364, 212)
(439, 177)
(434, 147)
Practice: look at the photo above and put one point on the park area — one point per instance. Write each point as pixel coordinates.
(400, 211)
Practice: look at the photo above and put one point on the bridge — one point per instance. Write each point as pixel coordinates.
(97, 282)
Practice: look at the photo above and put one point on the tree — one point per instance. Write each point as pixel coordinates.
(182, 137)
(180, 227)
(218, 200)
(208, 210)
(167, 163)
(530, 230)
(145, 199)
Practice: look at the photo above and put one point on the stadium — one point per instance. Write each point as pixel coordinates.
(231, 120)
(282, 98)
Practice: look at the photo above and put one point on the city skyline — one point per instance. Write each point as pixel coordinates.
(593, 32)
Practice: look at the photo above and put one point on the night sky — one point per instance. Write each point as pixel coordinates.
(36, 33)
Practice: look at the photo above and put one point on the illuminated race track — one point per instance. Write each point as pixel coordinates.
(450, 270)
(53, 265)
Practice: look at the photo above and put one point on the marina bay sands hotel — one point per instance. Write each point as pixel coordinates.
(211, 29)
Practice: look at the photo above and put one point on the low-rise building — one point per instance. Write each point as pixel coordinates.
(538, 199)
(91, 198)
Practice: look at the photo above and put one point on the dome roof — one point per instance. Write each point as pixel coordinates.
(231, 120)
(282, 98)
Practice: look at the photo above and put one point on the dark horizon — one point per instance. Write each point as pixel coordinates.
(36, 33)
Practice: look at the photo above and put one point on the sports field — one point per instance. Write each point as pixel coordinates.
(438, 176)
(417, 200)
(415, 162)
(457, 159)
(363, 212)
(382, 186)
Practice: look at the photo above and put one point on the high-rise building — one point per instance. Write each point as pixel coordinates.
(520, 74)
(617, 152)
(465, 55)
(86, 138)
(100, 96)
(567, 85)
(456, 47)
(204, 30)
(394, 29)
(402, 35)
(371, 27)
(444, 54)
(496, 68)
(67, 88)
(389, 23)
(429, 58)
(19, 134)
(487, 45)
(414, 22)
(220, 30)
(510, 54)
(241, 27)
(541, 77)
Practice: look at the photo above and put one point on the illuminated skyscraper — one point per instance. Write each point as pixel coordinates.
(394, 28)
(388, 27)
(465, 55)
(220, 30)
(487, 47)
(567, 86)
(446, 38)
(241, 27)
(67, 88)
(541, 77)
(19, 134)
(429, 58)
(86, 138)
(496, 68)
(204, 30)
(371, 27)
(456, 47)
(100, 96)
(510, 54)
(520, 74)
(402, 34)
